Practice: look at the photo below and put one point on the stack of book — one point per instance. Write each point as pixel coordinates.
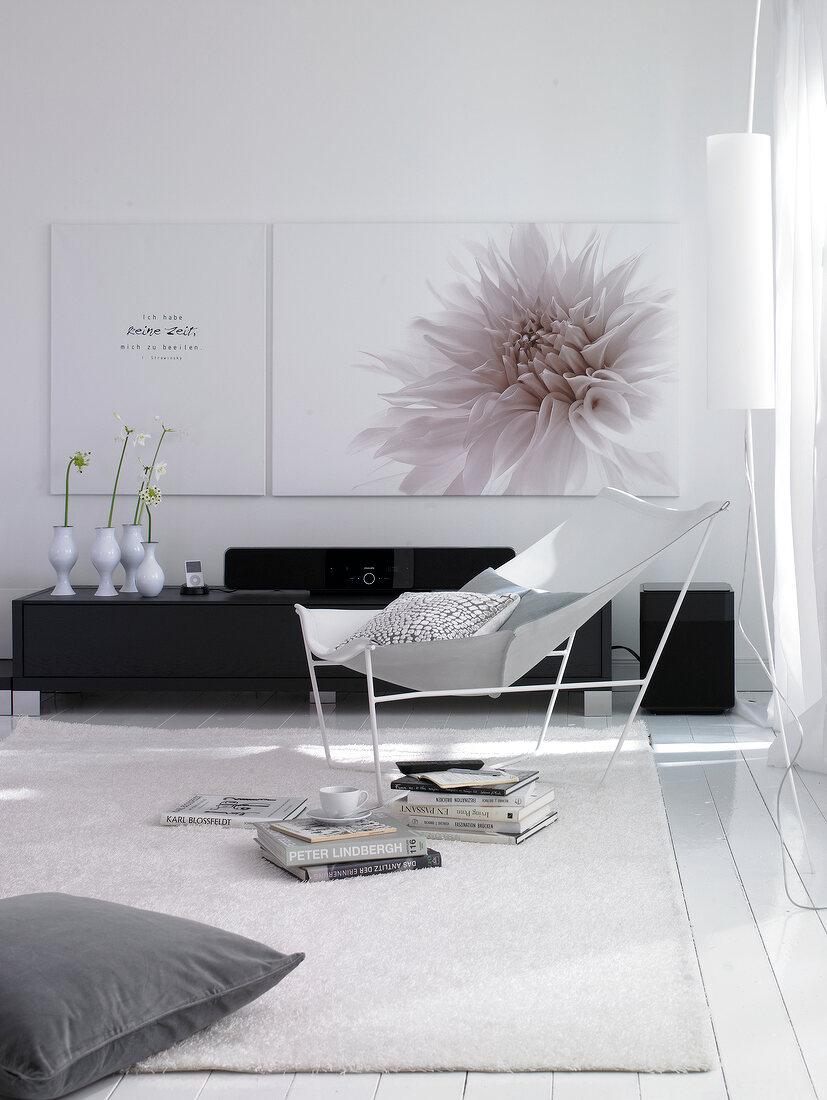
(483, 804)
(314, 852)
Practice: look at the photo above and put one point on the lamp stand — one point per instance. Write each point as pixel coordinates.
(770, 662)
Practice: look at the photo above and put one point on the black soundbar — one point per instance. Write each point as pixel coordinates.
(357, 569)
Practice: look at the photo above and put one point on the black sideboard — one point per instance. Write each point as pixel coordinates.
(224, 641)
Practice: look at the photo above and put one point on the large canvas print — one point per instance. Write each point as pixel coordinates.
(161, 320)
(530, 359)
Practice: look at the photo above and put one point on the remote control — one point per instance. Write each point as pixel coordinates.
(412, 767)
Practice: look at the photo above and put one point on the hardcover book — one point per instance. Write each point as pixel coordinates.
(291, 851)
(453, 825)
(412, 805)
(453, 798)
(488, 837)
(416, 783)
(231, 811)
(450, 778)
(305, 828)
(364, 868)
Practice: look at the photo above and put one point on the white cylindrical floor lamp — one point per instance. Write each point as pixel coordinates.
(740, 315)
(740, 301)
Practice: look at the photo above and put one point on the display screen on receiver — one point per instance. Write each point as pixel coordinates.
(384, 569)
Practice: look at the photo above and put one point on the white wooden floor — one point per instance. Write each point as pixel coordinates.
(764, 963)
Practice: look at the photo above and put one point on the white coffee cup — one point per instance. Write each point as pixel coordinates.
(342, 801)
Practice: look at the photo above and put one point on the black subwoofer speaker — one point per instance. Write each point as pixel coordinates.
(696, 671)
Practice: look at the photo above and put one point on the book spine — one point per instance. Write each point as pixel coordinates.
(344, 851)
(464, 812)
(213, 819)
(205, 819)
(368, 867)
(479, 837)
(514, 801)
(459, 825)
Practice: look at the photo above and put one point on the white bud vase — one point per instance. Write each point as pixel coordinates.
(132, 554)
(63, 553)
(105, 557)
(149, 577)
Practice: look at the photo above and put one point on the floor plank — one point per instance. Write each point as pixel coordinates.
(759, 1052)
(160, 1086)
(334, 1086)
(99, 1090)
(417, 1086)
(247, 1086)
(76, 706)
(596, 1086)
(683, 1086)
(508, 1086)
(200, 708)
(131, 709)
(790, 935)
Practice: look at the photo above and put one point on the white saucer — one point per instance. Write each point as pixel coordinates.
(319, 815)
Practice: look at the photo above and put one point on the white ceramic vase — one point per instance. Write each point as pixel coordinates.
(132, 554)
(63, 553)
(149, 577)
(106, 554)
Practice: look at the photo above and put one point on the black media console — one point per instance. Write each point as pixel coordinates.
(242, 640)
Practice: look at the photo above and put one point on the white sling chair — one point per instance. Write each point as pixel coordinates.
(587, 559)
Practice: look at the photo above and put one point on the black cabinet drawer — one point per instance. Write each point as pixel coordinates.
(162, 640)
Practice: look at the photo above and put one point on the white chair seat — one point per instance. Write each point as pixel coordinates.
(601, 549)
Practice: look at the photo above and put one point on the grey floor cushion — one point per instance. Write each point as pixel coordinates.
(88, 987)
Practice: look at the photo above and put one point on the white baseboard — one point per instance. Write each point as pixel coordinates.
(749, 676)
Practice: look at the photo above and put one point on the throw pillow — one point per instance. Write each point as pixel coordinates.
(436, 616)
(88, 987)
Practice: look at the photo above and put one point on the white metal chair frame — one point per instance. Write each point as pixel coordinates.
(555, 688)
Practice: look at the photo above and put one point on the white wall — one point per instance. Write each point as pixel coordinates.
(304, 110)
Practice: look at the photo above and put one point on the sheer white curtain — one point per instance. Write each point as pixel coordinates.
(800, 591)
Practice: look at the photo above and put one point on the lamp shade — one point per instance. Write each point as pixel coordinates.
(740, 305)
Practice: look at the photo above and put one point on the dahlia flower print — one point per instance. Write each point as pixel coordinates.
(545, 369)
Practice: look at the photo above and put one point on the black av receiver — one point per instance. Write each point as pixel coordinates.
(339, 570)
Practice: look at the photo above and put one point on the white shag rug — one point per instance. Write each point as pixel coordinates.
(569, 952)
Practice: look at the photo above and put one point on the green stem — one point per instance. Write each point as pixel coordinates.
(140, 506)
(66, 508)
(117, 476)
(136, 517)
(149, 518)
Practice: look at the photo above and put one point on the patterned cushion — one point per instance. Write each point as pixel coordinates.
(436, 616)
